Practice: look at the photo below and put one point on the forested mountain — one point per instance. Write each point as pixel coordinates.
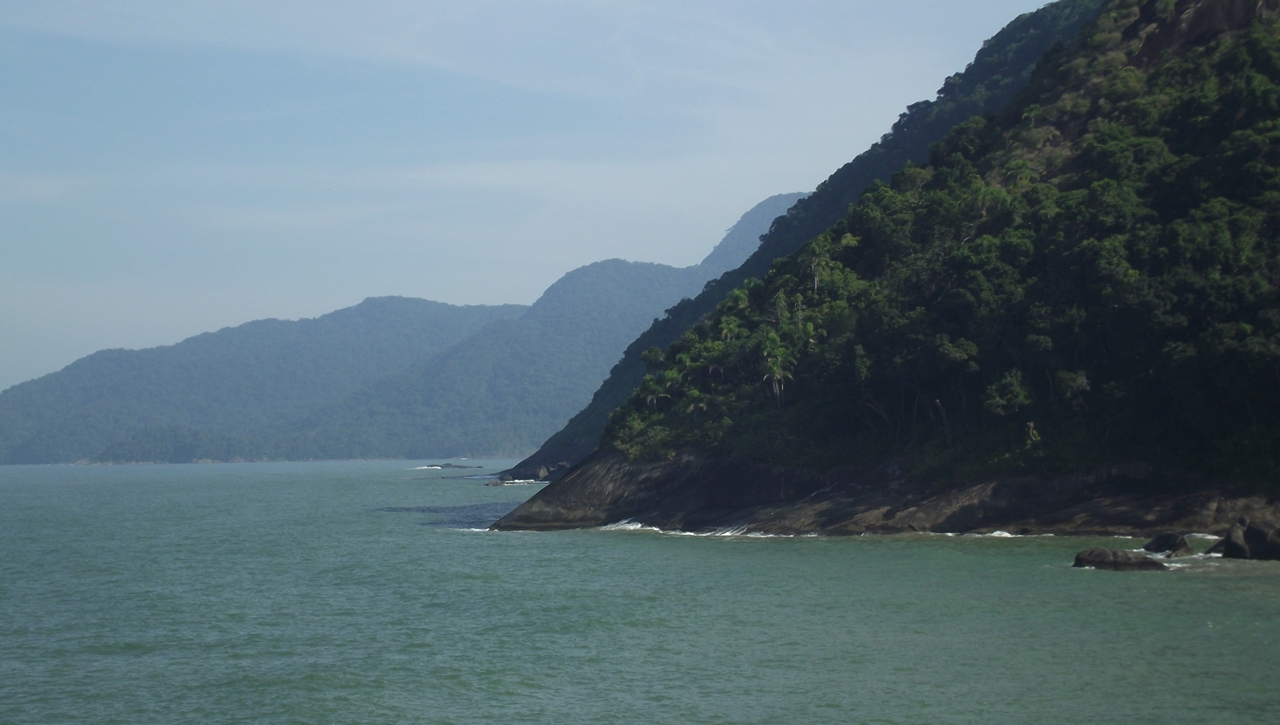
(1001, 68)
(500, 390)
(1092, 276)
(248, 379)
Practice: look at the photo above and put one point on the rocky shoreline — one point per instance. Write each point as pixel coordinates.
(696, 493)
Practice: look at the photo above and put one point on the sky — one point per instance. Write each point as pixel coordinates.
(168, 169)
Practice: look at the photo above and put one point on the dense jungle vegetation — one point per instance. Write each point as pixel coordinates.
(1000, 69)
(1089, 276)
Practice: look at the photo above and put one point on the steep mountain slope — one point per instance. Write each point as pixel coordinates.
(498, 392)
(249, 379)
(1001, 68)
(1083, 291)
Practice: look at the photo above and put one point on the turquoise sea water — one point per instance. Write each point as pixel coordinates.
(362, 593)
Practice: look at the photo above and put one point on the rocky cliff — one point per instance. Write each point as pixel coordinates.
(699, 494)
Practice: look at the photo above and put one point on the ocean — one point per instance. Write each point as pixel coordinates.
(369, 592)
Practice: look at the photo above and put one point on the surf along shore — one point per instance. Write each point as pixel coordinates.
(695, 493)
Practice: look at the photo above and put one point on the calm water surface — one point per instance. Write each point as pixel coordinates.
(364, 593)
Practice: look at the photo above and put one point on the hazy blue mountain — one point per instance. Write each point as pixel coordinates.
(248, 379)
(999, 70)
(501, 390)
(507, 387)
(743, 238)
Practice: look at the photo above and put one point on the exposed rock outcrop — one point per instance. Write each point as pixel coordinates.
(1116, 560)
(1195, 22)
(698, 493)
(1171, 544)
(1250, 540)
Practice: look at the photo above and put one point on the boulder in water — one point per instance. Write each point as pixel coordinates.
(1171, 544)
(1250, 540)
(1117, 560)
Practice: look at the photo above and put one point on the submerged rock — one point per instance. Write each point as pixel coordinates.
(1117, 560)
(1169, 543)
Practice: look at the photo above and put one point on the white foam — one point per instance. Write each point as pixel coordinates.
(1001, 535)
(426, 468)
(628, 525)
(726, 533)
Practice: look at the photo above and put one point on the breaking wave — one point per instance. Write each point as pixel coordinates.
(729, 532)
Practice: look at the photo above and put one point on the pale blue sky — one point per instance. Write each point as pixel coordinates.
(168, 168)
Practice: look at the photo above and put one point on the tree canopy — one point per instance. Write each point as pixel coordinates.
(1001, 68)
(1089, 276)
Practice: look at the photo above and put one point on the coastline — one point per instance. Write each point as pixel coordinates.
(695, 493)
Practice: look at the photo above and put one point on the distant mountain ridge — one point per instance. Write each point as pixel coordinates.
(507, 387)
(998, 72)
(247, 379)
(502, 391)
(388, 378)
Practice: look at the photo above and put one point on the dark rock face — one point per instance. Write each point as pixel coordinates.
(1170, 543)
(689, 493)
(1195, 22)
(697, 493)
(1115, 560)
(1250, 540)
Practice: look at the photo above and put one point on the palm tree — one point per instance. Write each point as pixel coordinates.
(697, 403)
(731, 328)
(672, 377)
(817, 257)
(1020, 173)
(1032, 113)
(738, 299)
(778, 361)
(652, 392)
(808, 335)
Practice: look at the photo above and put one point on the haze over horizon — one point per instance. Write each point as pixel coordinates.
(169, 170)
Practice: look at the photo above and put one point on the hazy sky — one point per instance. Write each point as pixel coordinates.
(168, 168)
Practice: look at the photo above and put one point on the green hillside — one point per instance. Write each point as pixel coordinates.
(1091, 276)
(999, 70)
(248, 379)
